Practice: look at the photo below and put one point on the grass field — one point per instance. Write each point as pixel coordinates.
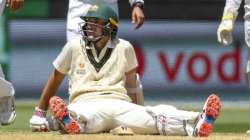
(232, 124)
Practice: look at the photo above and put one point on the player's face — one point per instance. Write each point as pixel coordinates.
(95, 28)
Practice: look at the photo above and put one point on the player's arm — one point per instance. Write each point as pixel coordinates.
(15, 4)
(50, 89)
(131, 85)
(38, 121)
(137, 14)
(224, 32)
(62, 63)
(134, 87)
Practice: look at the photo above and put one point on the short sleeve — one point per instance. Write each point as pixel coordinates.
(131, 58)
(63, 61)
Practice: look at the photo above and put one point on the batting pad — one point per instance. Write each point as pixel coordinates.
(6, 88)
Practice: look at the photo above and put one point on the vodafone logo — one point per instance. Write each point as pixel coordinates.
(192, 66)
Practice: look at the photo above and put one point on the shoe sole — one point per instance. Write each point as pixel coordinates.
(59, 110)
(212, 110)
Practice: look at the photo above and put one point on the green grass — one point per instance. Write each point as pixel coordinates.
(232, 120)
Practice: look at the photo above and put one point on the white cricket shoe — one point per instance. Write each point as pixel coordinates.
(210, 113)
(60, 112)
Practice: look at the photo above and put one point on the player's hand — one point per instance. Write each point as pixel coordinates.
(137, 17)
(15, 4)
(224, 32)
(38, 122)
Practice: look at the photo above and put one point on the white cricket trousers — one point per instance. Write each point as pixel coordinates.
(106, 114)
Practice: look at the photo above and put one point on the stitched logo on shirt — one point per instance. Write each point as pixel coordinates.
(81, 65)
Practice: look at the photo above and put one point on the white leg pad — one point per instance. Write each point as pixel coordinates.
(6, 88)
